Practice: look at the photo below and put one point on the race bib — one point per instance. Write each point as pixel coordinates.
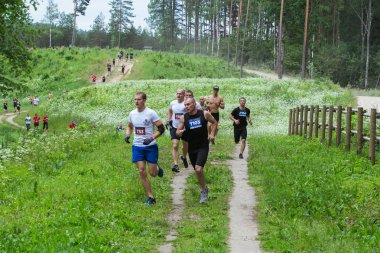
(195, 123)
(140, 130)
(178, 115)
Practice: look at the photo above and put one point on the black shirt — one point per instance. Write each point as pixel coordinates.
(196, 130)
(241, 115)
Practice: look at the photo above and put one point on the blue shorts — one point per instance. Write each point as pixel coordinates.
(147, 153)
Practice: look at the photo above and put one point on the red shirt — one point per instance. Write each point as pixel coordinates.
(46, 118)
(72, 125)
(36, 119)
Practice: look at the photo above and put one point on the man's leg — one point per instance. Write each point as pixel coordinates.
(201, 177)
(144, 178)
(175, 151)
(242, 146)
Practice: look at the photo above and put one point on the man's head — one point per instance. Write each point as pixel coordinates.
(140, 99)
(202, 100)
(180, 95)
(190, 105)
(216, 89)
(242, 101)
(189, 94)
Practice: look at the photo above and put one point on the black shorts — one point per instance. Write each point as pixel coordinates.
(240, 132)
(198, 156)
(173, 134)
(45, 126)
(215, 115)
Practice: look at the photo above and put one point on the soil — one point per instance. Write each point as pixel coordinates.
(368, 102)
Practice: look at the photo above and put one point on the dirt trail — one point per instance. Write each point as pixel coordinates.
(9, 118)
(243, 224)
(368, 102)
(116, 74)
(178, 185)
(267, 75)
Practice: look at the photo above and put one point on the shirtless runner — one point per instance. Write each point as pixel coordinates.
(214, 102)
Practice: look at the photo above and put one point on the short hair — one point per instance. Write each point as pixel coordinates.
(190, 91)
(143, 95)
(243, 98)
(181, 91)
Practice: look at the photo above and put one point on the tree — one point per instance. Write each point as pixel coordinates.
(98, 34)
(121, 14)
(51, 16)
(14, 36)
(80, 7)
(303, 64)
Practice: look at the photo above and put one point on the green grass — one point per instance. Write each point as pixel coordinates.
(314, 198)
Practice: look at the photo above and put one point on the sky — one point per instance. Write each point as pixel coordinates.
(93, 9)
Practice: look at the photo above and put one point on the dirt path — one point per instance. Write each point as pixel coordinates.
(243, 224)
(178, 185)
(116, 74)
(368, 102)
(9, 118)
(267, 75)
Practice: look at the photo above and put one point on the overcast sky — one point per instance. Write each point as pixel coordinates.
(94, 8)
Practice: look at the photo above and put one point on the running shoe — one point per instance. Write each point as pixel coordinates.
(184, 161)
(175, 168)
(241, 156)
(204, 196)
(160, 171)
(150, 201)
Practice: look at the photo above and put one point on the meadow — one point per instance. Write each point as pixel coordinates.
(77, 190)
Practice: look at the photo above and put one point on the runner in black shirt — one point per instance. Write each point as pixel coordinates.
(195, 123)
(240, 116)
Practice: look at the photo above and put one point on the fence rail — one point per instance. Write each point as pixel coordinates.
(304, 121)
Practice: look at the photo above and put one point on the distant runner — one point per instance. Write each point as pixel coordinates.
(122, 68)
(214, 102)
(5, 106)
(93, 77)
(36, 120)
(28, 120)
(109, 68)
(46, 123)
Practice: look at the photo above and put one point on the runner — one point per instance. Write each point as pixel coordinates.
(240, 115)
(113, 62)
(18, 107)
(144, 149)
(28, 120)
(103, 79)
(214, 102)
(36, 101)
(109, 68)
(176, 110)
(202, 103)
(190, 94)
(36, 120)
(5, 106)
(72, 125)
(46, 123)
(195, 122)
(15, 104)
(122, 68)
(131, 56)
(93, 77)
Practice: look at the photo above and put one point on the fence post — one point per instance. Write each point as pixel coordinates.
(290, 122)
(311, 121)
(348, 128)
(330, 128)
(338, 125)
(301, 120)
(297, 119)
(294, 121)
(372, 136)
(316, 124)
(359, 136)
(306, 109)
(323, 123)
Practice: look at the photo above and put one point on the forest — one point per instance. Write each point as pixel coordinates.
(337, 40)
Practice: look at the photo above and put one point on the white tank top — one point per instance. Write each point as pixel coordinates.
(143, 126)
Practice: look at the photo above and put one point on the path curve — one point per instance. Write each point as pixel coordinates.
(368, 102)
(243, 223)
(267, 75)
(9, 118)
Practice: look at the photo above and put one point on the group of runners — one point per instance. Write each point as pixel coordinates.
(36, 122)
(110, 66)
(16, 106)
(193, 123)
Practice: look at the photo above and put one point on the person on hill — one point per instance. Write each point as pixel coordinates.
(122, 68)
(18, 107)
(240, 116)
(28, 120)
(119, 56)
(36, 101)
(176, 110)
(31, 99)
(15, 104)
(103, 79)
(141, 122)
(113, 62)
(50, 95)
(120, 127)
(202, 103)
(45, 122)
(126, 57)
(215, 102)
(131, 56)
(109, 68)
(36, 120)
(194, 122)
(190, 94)
(72, 125)
(5, 106)
(93, 77)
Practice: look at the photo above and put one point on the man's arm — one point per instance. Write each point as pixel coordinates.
(181, 126)
(249, 119)
(221, 104)
(160, 127)
(170, 115)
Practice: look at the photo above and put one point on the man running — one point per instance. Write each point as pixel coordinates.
(240, 115)
(194, 123)
(109, 68)
(5, 106)
(45, 122)
(190, 94)
(36, 120)
(28, 120)
(202, 103)
(214, 102)
(15, 104)
(144, 149)
(176, 110)
(122, 68)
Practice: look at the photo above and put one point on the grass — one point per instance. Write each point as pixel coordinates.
(314, 198)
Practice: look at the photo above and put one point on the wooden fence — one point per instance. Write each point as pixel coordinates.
(305, 121)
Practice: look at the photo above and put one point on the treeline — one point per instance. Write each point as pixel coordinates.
(336, 39)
